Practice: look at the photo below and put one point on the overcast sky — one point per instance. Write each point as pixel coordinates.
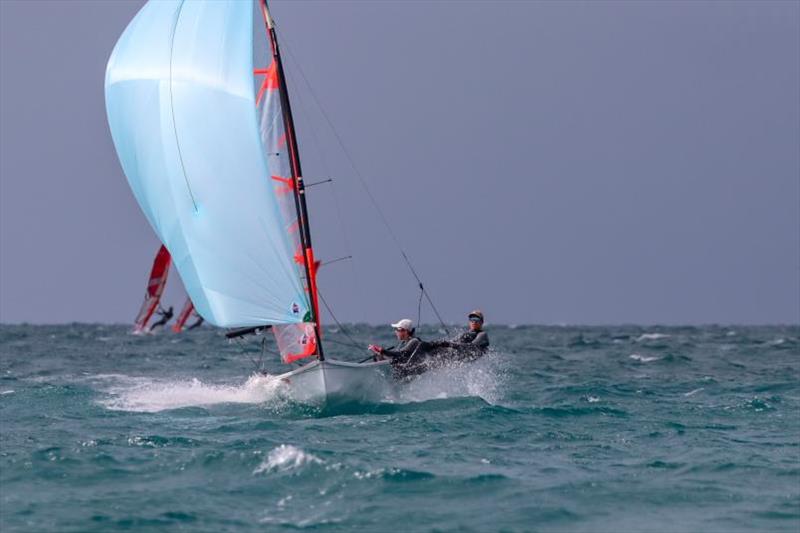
(549, 162)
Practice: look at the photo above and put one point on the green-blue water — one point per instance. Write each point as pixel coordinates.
(561, 429)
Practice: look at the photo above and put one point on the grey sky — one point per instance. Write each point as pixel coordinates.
(550, 162)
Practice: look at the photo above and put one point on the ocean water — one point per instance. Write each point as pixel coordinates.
(560, 429)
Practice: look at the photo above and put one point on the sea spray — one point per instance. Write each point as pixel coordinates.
(149, 395)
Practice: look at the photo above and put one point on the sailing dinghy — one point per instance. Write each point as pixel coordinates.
(155, 288)
(186, 312)
(214, 164)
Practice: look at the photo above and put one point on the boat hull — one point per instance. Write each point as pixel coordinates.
(332, 381)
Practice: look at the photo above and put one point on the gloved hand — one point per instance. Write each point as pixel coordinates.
(375, 348)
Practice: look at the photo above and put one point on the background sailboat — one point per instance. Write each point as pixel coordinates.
(156, 283)
(155, 288)
(186, 312)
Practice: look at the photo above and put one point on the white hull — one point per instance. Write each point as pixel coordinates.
(334, 381)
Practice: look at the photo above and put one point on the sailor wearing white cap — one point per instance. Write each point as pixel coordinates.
(402, 355)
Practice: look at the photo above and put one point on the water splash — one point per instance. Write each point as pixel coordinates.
(483, 378)
(149, 395)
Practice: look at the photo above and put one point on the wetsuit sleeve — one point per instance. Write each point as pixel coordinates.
(481, 340)
(464, 338)
(404, 352)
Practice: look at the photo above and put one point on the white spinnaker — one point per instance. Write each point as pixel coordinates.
(182, 113)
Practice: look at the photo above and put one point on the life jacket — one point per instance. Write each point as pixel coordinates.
(469, 336)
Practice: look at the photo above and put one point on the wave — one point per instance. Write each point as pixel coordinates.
(286, 457)
(652, 337)
(569, 411)
(643, 358)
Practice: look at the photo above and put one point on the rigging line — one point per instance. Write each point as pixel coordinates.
(243, 347)
(350, 344)
(336, 320)
(366, 189)
(172, 105)
(315, 140)
(320, 150)
(309, 185)
(332, 261)
(318, 146)
(419, 307)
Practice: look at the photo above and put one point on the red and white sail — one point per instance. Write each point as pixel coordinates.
(155, 287)
(186, 312)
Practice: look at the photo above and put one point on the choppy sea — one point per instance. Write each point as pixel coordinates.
(560, 429)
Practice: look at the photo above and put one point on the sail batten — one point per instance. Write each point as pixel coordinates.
(182, 113)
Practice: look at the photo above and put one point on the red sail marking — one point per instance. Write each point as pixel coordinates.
(295, 341)
(288, 184)
(270, 82)
(155, 287)
(299, 258)
(311, 349)
(186, 312)
(312, 266)
(309, 344)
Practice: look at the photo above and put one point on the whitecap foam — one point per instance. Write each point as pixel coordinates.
(643, 358)
(651, 337)
(693, 392)
(149, 395)
(286, 457)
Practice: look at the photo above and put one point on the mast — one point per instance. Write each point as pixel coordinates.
(297, 178)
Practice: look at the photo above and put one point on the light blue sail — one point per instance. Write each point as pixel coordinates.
(182, 112)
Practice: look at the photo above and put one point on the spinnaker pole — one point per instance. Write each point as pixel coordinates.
(297, 177)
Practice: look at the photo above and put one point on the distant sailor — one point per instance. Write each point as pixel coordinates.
(197, 323)
(406, 357)
(165, 316)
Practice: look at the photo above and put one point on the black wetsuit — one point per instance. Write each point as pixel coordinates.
(407, 357)
(165, 316)
(472, 343)
(468, 346)
(197, 323)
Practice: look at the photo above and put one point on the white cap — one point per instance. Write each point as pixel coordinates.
(406, 324)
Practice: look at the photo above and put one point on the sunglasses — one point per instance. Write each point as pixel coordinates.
(475, 319)
(400, 329)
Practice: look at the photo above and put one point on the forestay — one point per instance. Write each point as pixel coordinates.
(182, 110)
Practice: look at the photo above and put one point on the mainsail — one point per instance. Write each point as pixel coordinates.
(155, 287)
(215, 167)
